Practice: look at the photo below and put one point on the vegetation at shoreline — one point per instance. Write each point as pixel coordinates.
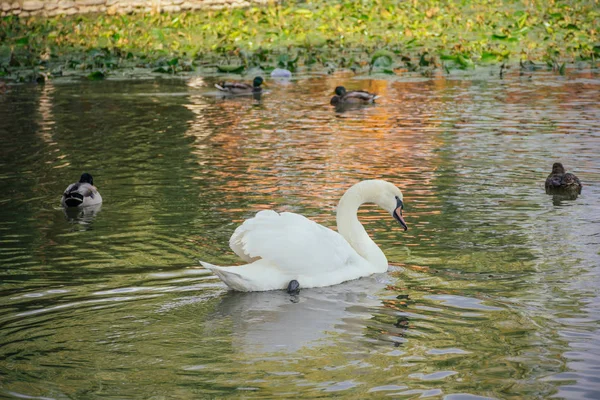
(383, 35)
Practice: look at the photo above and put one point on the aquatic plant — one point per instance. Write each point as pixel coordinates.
(372, 36)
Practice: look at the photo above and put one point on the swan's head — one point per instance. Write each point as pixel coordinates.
(387, 196)
(86, 178)
(380, 192)
(391, 199)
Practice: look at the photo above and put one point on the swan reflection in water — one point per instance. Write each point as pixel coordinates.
(277, 321)
(82, 215)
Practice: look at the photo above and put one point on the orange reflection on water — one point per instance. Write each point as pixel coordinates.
(294, 150)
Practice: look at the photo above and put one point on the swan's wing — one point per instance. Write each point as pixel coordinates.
(292, 242)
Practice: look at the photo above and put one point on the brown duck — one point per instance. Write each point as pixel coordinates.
(560, 182)
(240, 87)
(343, 97)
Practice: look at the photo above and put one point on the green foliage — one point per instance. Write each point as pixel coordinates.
(96, 76)
(381, 35)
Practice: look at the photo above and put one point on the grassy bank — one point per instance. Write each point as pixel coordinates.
(390, 36)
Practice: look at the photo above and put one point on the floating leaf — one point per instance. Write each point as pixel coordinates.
(522, 20)
(303, 11)
(499, 36)
(448, 57)
(489, 57)
(464, 62)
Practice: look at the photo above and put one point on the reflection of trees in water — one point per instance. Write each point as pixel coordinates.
(130, 136)
(298, 157)
(27, 150)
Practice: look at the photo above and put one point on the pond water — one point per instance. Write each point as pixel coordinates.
(493, 292)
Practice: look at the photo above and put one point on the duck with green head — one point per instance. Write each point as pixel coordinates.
(343, 97)
(241, 87)
(82, 193)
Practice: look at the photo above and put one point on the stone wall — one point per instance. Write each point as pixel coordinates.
(25, 8)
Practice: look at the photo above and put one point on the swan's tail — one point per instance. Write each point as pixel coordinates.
(228, 275)
(256, 276)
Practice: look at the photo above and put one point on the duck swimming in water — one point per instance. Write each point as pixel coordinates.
(357, 97)
(241, 87)
(82, 193)
(559, 182)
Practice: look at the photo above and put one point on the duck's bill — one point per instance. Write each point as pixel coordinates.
(398, 217)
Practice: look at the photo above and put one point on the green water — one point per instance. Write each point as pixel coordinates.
(492, 292)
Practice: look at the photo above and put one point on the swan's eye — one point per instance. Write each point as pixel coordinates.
(399, 203)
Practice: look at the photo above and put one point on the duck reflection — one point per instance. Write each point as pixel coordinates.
(558, 198)
(224, 96)
(277, 321)
(82, 215)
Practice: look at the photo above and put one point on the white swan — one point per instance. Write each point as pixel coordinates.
(82, 193)
(280, 248)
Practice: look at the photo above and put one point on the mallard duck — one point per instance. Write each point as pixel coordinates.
(240, 87)
(354, 97)
(560, 182)
(289, 250)
(82, 193)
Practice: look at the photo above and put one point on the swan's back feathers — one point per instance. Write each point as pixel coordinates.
(293, 243)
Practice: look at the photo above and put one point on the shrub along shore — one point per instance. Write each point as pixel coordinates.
(392, 37)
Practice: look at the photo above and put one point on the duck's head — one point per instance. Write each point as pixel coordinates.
(557, 168)
(86, 178)
(340, 91)
(257, 81)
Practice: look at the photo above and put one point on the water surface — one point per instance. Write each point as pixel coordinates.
(492, 292)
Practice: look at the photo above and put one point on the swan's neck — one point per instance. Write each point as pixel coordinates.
(352, 230)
